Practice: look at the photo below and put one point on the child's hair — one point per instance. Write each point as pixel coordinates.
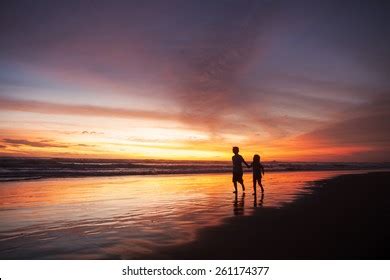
(256, 158)
(236, 150)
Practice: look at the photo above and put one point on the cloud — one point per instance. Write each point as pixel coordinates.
(362, 133)
(91, 132)
(85, 145)
(208, 78)
(41, 144)
(36, 144)
(200, 71)
(84, 132)
(200, 122)
(84, 110)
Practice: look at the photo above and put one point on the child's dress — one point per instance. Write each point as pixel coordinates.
(257, 168)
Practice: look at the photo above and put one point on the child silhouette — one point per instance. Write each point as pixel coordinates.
(258, 172)
(237, 169)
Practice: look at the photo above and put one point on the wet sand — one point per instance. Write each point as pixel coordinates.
(172, 216)
(347, 217)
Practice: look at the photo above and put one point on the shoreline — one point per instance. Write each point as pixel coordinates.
(344, 217)
(99, 175)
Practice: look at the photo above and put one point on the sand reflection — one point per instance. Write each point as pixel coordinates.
(127, 217)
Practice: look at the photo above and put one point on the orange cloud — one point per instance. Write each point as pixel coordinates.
(36, 144)
(85, 110)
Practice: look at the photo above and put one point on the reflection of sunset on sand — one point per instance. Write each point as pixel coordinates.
(343, 218)
(127, 217)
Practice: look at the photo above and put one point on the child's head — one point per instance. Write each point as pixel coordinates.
(236, 150)
(256, 158)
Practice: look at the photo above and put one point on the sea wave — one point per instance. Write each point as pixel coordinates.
(37, 168)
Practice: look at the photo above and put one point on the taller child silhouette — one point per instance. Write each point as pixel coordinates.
(237, 169)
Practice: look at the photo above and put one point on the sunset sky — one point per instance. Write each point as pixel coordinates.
(291, 80)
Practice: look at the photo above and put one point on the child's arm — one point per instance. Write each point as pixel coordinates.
(262, 169)
(247, 165)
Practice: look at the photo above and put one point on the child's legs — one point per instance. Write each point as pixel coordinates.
(235, 185)
(237, 177)
(260, 184)
(242, 184)
(234, 180)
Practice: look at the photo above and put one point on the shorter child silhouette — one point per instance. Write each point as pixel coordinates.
(258, 172)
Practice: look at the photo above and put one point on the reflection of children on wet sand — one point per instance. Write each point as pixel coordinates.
(237, 169)
(239, 205)
(260, 202)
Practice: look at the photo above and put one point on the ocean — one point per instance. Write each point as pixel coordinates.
(12, 169)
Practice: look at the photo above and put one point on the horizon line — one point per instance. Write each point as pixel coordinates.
(180, 160)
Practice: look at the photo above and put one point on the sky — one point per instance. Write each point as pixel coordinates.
(289, 80)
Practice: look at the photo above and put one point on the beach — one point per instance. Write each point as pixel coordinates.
(303, 214)
(346, 217)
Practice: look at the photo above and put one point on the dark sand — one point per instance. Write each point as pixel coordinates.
(346, 217)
